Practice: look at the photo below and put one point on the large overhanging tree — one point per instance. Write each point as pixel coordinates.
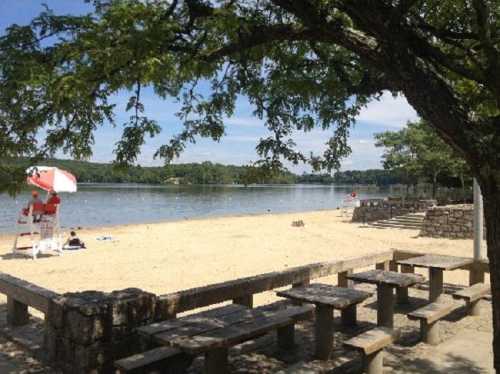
(301, 64)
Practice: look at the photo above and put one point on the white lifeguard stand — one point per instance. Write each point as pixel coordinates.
(44, 234)
(348, 204)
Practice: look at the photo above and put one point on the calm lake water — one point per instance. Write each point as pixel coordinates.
(116, 204)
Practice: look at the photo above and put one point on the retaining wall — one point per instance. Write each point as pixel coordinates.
(371, 210)
(450, 221)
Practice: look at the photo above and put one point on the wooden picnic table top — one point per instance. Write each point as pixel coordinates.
(325, 294)
(221, 327)
(437, 261)
(390, 278)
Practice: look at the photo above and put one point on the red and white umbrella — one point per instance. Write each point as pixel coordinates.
(50, 178)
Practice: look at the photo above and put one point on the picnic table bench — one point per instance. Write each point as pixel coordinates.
(327, 298)
(472, 296)
(212, 332)
(371, 345)
(436, 265)
(386, 281)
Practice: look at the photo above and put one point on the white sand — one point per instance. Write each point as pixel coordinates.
(171, 256)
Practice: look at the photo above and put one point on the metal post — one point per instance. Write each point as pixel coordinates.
(478, 221)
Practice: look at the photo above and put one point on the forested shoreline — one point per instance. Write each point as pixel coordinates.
(214, 173)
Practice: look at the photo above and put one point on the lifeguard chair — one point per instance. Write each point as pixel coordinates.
(348, 204)
(41, 221)
(41, 225)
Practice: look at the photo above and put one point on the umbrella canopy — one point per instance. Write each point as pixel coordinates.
(50, 178)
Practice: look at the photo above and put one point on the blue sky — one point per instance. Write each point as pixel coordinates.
(243, 129)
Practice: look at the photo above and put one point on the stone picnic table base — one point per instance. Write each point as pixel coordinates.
(436, 265)
(386, 281)
(327, 298)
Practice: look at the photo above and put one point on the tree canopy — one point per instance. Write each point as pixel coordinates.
(417, 153)
(300, 63)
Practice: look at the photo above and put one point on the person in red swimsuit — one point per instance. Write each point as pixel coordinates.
(52, 202)
(36, 205)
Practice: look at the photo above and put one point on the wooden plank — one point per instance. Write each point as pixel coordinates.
(193, 298)
(325, 294)
(244, 300)
(473, 293)
(158, 327)
(372, 340)
(203, 325)
(431, 312)
(437, 261)
(146, 359)
(26, 293)
(230, 335)
(400, 254)
(387, 277)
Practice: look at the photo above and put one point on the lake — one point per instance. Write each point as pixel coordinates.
(117, 204)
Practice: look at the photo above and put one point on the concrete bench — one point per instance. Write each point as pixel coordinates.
(21, 295)
(472, 296)
(429, 316)
(161, 359)
(211, 333)
(371, 345)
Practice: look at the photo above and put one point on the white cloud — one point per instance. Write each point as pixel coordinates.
(388, 112)
(244, 121)
(240, 139)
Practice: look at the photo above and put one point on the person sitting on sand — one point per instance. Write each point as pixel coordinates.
(74, 242)
(52, 202)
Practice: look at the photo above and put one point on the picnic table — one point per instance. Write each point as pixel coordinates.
(436, 265)
(212, 332)
(326, 298)
(386, 281)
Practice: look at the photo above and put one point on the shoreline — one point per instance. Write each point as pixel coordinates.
(170, 256)
(4, 235)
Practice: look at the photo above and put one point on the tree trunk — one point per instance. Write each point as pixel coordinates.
(490, 186)
(434, 185)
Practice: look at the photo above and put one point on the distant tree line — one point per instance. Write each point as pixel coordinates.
(214, 173)
(190, 173)
(376, 177)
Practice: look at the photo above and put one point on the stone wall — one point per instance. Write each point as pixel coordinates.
(450, 221)
(87, 331)
(371, 210)
(377, 213)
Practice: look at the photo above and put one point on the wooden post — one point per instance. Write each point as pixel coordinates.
(324, 331)
(385, 306)
(476, 275)
(216, 361)
(382, 266)
(300, 284)
(246, 300)
(402, 292)
(342, 280)
(429, 332)
(435, 284)
(305, 282)
(373, 363)
(17, 312)
(348, 316)
(393, 266)
(474, 308)
(286, 337)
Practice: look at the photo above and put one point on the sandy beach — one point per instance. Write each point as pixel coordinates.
(164, 257)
